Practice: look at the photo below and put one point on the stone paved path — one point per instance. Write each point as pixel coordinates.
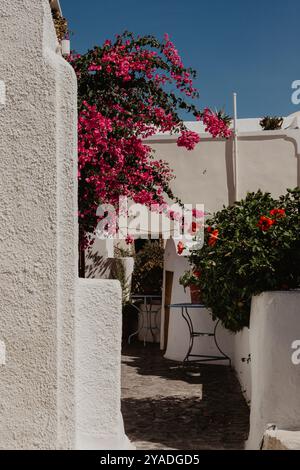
(164, 408)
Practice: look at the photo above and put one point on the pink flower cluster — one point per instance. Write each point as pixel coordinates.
(188, 139)
(123, 63)
(182, 78)
(95, 68)
(114, 166)
(214, 125)
(171, 52)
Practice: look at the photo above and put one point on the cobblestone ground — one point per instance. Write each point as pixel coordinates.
(165, 408)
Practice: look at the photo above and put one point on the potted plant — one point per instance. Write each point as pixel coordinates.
(269, 123)
(191, 279)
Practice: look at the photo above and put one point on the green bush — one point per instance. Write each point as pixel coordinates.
(250, 247)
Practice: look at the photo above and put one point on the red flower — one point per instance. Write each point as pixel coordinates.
(194, 228)
(213, 238)
(278, 213)
(197, 274)
(129, 240)
(180, 248)
(265, 223)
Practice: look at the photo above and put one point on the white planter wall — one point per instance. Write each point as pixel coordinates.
(241, 362)
(275, 325)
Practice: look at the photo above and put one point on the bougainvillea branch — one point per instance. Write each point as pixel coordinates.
(128, 90)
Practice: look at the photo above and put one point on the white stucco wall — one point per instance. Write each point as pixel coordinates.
(38, 252)
(275, 394)
(241, 361)
(98, 334)
(267, 160)
(46, 396)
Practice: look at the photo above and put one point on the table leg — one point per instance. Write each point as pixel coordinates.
(185, 314)
(151, 327)
(140, 318)
(217, 344)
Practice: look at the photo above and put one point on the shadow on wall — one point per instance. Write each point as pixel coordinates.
(98, 266)
(230, 171)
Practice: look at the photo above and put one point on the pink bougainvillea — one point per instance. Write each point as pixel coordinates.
(109, 167)
(124, 97)
(188, 139)
(216, 126)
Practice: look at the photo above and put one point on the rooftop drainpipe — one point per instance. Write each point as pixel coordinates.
(235, 147)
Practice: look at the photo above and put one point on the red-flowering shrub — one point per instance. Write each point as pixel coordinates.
(251, 247)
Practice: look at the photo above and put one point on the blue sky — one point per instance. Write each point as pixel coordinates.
(251, 47)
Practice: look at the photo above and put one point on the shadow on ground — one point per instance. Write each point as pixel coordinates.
(163, 408)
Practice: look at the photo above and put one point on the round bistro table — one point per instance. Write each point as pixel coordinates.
(149, 323)
(184, 308)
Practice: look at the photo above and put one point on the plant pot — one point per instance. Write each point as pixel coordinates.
(195, 294)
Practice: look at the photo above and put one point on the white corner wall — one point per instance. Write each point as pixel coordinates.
(275, 325)
(38, 235)
(60, 379)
